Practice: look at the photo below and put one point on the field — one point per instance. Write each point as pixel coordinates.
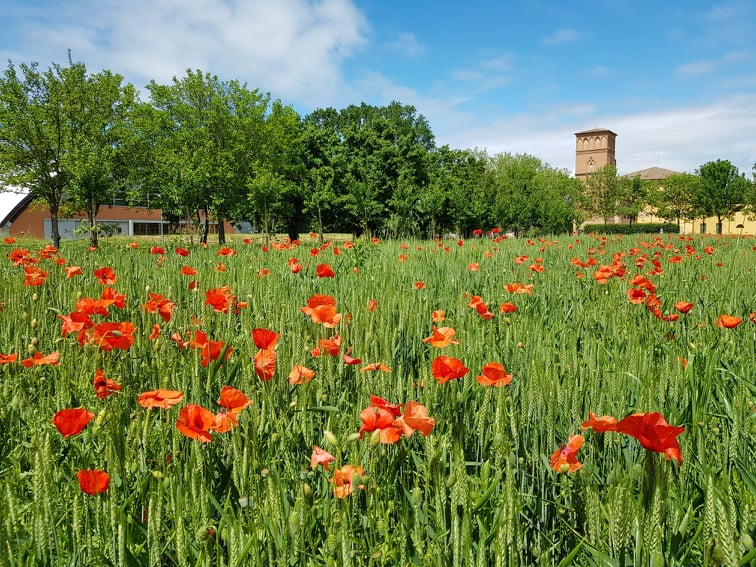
(492, 401)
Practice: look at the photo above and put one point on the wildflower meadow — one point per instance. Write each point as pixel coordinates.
(581, 400)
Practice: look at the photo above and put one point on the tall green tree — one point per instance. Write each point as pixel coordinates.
(675, 197)
(723, 190)
(209, 136)
(633, 197)
(61, 136)
(603, 190)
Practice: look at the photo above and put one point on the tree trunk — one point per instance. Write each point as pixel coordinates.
(221, 231)
(205, 227)
(92, 216)
(54, 230)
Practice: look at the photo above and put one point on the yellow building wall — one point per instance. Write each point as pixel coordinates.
(729, 226)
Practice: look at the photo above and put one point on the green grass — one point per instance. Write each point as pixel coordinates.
(477, 491)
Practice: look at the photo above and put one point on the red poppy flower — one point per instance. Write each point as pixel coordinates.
(93, 482)
(72, 421)
(494, 374)
(196, 422)
(300, 374)
(438, 316)
(379, 419)
(8, 358)
(416, 416)
(636, 295)
(441, 337)
(226, 251)
(330, 346)
(349, 359)
(343, 479)
(109, 335)
(419, 285)
(729, 321)
(211, 350)
(683, 306)
(653, 432)
(187, 271)
(157, 250)
(106, 276)
(111, 297)
(519, 288)
(265, 338)
(752, 317)
(219, 298)
(160, 399)
(233, 400)
(104, 386)
(72, 271)
(182, 252)
(507, 307)
(564, 459)
(320, 457)
(9, 240)
(93, 306)
(375, 366)
(161, 305)
(265, 364)
(600, 424)
(74, 323)
(372, 304)
(446, 368)
(34, 276)
(38, 359)
(325, 271)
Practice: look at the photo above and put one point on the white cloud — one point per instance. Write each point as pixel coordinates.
(696, 68)
(561, 36)
(406, 44)
(292, 48)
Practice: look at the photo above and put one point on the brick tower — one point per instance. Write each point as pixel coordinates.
(594, 149)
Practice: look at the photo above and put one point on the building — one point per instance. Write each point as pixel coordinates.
(27, 219)
(595, 149)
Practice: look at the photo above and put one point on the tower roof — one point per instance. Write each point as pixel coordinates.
(595, 131)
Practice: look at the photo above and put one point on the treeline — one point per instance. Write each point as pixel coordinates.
(207, 150)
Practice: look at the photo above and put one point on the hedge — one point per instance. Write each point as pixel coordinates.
(635, 228)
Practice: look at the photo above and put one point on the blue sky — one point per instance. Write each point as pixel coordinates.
(676, 81)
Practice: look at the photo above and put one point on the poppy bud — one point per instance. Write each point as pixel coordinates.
(205, 533)
(35, 341)
(24, 315)
(306, 489)
(243, 501)
(520, 345)
(375, 438)
(35, 296)
(330, 438)
(264, 473)
(31, 349)
(157, 474)
(147, 288)
(352, 437)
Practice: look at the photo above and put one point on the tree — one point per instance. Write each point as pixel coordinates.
(675, 197)
(633, 197)
(60, 136)
(723, 190)
(209, 136)
(603, 191)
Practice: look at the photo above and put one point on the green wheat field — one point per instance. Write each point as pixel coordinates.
(336, 460)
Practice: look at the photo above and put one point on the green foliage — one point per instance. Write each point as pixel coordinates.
(635, 228)
(477, 491)
(723, 190)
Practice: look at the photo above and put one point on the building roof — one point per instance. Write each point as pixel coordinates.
(594, 131)
(652, 173)
(11, 205)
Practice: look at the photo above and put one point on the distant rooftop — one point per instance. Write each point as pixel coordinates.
(594, 131)
(651, 173)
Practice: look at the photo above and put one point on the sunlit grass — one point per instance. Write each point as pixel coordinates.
(478, 490)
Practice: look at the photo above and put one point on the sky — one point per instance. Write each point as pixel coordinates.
(676, 81)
